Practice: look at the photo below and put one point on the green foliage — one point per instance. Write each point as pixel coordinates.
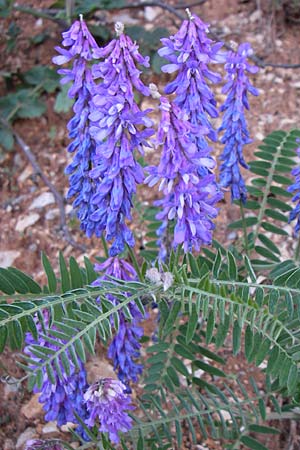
(267, 203)
(206, 304)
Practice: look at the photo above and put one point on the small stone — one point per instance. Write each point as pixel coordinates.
(296, 85)
(52, 214)
(255, 16)
(25, 174)
(259, 136)
(33, 409)
(96, 369)
(27, 221)
(50, 430)
(151, 12)
(10, 387)
(46, 198)
(7, 257)
(232, 236)
(67, 426)
(28, 434)
(75, 444)
(8, 444)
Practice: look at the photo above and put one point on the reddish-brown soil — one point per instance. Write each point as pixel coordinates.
(277, 106)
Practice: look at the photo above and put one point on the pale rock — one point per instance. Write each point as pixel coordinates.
(46, 198)
(296, 85)
(278, 80)
(29, 433)
(33, 409)
(278, 42)
(231, 236)
(69, 209)
(255, 16)
(9, 444)
(126, 19)
(75, 444)
(39, 22)
(10, 387)
(97, 369)
(52, 214)
(259, 136)
(7, 257)
(226, 415)
(67, 426)
(27, 221)
(50, 430)
(25, 174)
(151, 12)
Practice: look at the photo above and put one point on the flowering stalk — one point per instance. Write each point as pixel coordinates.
(124, 349)
(189, 198)
(107, 402)
(79, 48)
(234, 122)
(189, 52)
(119, 128)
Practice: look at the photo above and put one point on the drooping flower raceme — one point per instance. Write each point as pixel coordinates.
(295, 188)
(79, 48)
(62, 396)
(189, 198)
(124, 349)
(234, 124)
(119, 128)
(190, 52)
(108, 403)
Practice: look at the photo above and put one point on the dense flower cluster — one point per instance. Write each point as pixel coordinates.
(119, 128)
(64, 397)
(189, 197)
(107, 402)
(189, 52)
(80, 46)
(295, 188)
(124, 349)
(234, 123)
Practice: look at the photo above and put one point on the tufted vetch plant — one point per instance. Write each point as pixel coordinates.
(148, 170)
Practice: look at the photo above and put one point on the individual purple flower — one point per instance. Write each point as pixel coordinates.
(189, 198)
(39, 444)
(62, 396)
(108, 403)
(80, 47)
(124, 349)
(119, 129)
(234, 124)
(295, 188)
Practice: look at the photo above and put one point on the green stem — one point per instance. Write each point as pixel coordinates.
(105, 248)
(297, 251)
(135, 263)
(246, 242)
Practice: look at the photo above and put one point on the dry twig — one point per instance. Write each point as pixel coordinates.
(57, 196)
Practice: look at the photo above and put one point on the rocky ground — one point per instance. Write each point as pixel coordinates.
(29, 219)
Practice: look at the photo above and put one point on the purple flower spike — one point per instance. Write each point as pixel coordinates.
(107, 402)
(80, 48)
(189, 198)
(234, 123)
(119, 128)
(295, 188)
(190, 52)
(124, 349)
